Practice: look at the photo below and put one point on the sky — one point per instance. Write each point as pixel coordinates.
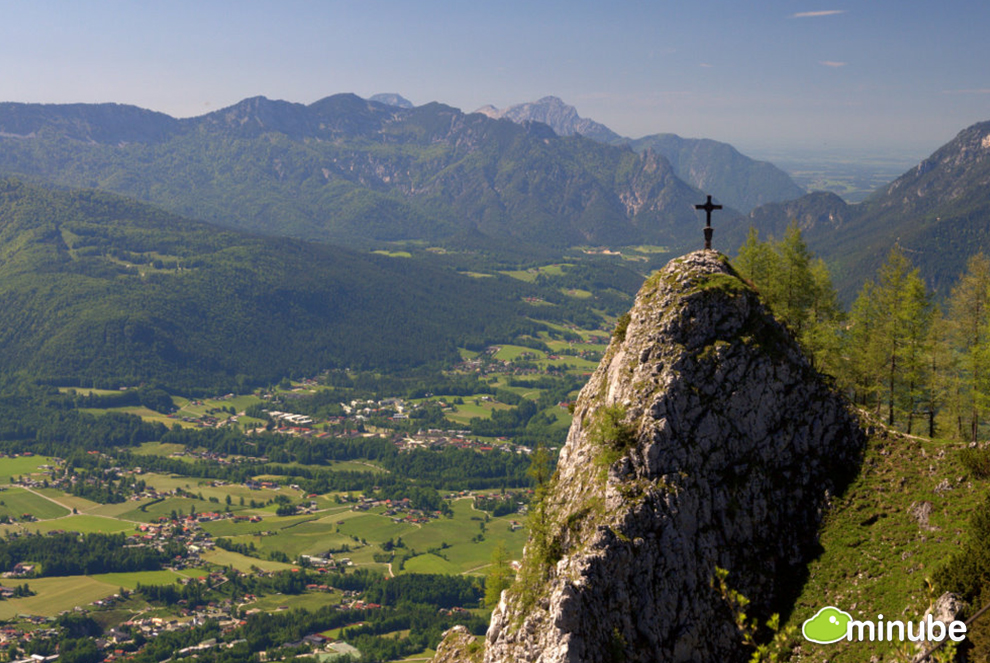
(863, 76)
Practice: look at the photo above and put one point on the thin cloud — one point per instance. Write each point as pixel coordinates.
(832, 63)
(706, 65)
(827, 12)
(978, 90)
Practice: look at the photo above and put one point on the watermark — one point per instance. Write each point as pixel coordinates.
(831, 625)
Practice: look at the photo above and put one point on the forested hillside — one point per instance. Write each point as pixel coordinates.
(95, 288)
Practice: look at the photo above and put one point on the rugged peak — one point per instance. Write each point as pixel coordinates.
(391, 99)
(703, 441)
(556, 114)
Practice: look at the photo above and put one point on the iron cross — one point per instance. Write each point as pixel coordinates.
(708, 207)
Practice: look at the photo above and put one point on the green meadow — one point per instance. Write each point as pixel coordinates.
(15, 502)
(242, 562)
(84, 524)
(53, 595)
(514, 352)
(309, 601)
(21, 466)
(132, 580)
(530, 275)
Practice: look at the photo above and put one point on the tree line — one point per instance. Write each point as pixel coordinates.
(70, 554)
(920, 364)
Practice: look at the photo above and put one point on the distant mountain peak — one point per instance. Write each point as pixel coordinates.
(714, 167)
(392, 99)
(558, 115)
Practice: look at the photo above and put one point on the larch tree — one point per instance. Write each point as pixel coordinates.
(500, 575)
(968, 324)
(797, 288)
(888, 338)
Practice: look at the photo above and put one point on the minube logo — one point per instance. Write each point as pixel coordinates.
(827, 626)
(831, 625)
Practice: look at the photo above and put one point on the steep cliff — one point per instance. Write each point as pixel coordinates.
(704, 440)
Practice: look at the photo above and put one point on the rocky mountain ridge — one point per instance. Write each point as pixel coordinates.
(559, 116)
(937, 212)
(703, 441)
(714, 167)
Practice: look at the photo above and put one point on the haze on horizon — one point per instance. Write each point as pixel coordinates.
(880, 76)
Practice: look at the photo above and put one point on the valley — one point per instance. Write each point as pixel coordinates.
(320, 479)
(235, 440)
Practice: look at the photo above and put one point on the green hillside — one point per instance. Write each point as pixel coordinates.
(95, 288)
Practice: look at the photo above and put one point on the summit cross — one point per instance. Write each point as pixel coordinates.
(709, 207)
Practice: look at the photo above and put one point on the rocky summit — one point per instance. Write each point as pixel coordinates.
(704, 443)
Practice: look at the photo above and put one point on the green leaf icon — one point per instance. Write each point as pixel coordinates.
(827, 626)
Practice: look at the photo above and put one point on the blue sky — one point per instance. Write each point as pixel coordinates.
(836, 74)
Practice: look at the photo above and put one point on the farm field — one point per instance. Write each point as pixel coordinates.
(469, 410)
(158, 449)
(16, 502)
(21, 465)
(241, 562)
(530, 275)
(57, 594)
(132, 580)
(309, 601)
(80, 504)
(84, 524)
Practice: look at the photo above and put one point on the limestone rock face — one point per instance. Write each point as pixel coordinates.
(703, 440)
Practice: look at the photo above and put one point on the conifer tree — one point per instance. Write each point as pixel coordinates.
(968, 323)
(499, 576)
(795, 285)
(888, 338)
(797, 288)
(864, 351)
(916, 315)
(941, 368)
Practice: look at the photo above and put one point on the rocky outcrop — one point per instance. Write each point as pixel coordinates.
(704, 441)
(459, 646)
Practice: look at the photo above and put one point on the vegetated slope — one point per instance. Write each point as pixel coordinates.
(939, 213)
(885, 539)
(356, 171)
(714, 167)
(97, 288)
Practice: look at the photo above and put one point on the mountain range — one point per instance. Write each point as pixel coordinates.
(711, 166)
(361, 173)
(936, 211)
(356, 172)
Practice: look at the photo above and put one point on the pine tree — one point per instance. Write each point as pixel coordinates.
(820, 336)
(864, 351)
(941, 368)
(757, 262)
(891, 286)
